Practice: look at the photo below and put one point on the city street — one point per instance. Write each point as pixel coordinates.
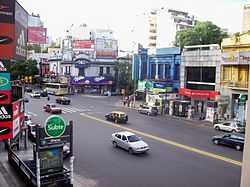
(181, 153)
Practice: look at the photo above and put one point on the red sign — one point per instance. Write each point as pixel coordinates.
(198, 93)
(106, 54)
(86, 45)
(6, 130)
(37, 35)
(4, 97)
(6, 40)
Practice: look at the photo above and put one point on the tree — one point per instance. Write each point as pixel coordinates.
(123, 77)
(203, 33)
(35, 47)
(21, 69)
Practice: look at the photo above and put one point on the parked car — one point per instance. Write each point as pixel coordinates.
(129, 141)
(35, 95)
(63, 100)
(235, 140)
(43, 94)
(230, 126)
(28, 89)
(52, 108)
(149, 110)
(117, 117)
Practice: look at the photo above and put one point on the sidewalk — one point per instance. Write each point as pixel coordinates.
(196, 121)
(10, 178)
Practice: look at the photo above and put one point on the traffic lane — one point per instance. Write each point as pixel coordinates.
(179, 131)
(163, 165)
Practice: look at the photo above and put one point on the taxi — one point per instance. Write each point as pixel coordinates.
(117, 116)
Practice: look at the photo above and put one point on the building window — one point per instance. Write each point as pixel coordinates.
(167, 71)
(81, 72)
(108, 70)
(177, 72)
(101, 71)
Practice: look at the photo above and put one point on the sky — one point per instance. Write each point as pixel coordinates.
(120, 15)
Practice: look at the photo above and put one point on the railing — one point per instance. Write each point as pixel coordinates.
(235, 84)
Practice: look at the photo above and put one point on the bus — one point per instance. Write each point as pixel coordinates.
(56, 88)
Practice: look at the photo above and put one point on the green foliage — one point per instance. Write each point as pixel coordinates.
(123, 77)
(21, 69)
(203, 33)
(35, 47)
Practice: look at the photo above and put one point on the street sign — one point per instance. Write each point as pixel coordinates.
(55, 126)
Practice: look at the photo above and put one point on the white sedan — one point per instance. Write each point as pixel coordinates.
(230, 126)
(35, 95)
(129, 141)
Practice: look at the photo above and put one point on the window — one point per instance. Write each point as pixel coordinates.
(124, 138)
(177, 72)
(167, 72)
(118, 136)
(81, 72)
(101, 71)
(108, 70)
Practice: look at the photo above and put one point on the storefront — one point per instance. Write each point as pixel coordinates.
(93, 85)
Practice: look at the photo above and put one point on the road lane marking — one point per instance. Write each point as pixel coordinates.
(199, 151)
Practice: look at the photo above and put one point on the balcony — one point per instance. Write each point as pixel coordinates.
(235, 85)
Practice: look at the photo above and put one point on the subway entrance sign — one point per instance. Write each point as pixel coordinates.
(54, 126)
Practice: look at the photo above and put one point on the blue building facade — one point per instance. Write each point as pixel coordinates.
(159, 65)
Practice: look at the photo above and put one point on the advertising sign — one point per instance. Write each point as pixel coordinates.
(7, 11)
(90, 80)
(6, 40)
(21, 25)
(145, 85)
(4, 97)
(5, 113)
(37, 35)
(16, 126)
(230, 57)
(4, 66)
(4, 81)
(198, 93)
(106, 48)
(85, 45)
(6, 130)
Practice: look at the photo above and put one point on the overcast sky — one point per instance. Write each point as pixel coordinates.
(119, 15)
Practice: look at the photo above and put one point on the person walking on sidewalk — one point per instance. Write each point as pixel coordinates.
(48, 98)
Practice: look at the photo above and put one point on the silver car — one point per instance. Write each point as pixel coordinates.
(149, 110)
(129, 141)
(230, 126)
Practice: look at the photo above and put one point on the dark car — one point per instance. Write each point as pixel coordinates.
(63, 100)
(43, 94)
(149, 110)
(235, 140)
(28, 89)
(117, 117)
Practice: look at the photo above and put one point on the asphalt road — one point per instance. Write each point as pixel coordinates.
(181, 153)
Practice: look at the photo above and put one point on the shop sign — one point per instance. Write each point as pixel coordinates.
(222, 100)
(145, 85)
(4, 81)
(6, 130)
(4, 97)
(198, 93)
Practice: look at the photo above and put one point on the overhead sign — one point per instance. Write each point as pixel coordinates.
(106, 48)
(7, 40)
(55, 126)
(5, 113)
(4, 81)
(4, 97)
(4, 66)
(6, 130)
(198, 93)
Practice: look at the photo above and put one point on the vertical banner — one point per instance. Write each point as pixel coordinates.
(7, 20)
(21, 26)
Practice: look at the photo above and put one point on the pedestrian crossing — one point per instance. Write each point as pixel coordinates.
(75, 109)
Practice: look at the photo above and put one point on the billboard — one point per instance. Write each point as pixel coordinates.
(106, 48)
(37, 35)
(21, 26)
(13, 32)
(85, 45)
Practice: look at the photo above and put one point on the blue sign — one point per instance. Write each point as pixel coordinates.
(159, 85)
(4, 81)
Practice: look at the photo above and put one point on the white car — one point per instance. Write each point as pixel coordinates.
(230, 126)
(35, 95)
(129, 141)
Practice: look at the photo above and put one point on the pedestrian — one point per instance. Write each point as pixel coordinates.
(225, 116)
(48, 98)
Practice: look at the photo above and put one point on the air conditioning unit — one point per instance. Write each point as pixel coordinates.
(232, 83)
